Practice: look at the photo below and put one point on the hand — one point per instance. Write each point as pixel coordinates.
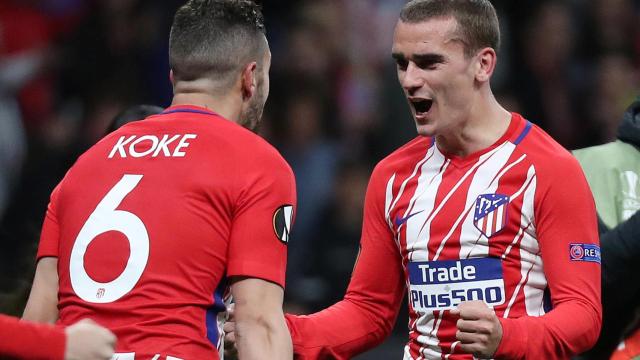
(229, 327)
(479, 330)
(86, 340)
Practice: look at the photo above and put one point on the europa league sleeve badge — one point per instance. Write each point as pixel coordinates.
(282, 219)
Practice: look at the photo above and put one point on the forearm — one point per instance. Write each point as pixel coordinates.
(22, 339)
(341, 331)
(569, 329)
(42, 305)
(264, 337)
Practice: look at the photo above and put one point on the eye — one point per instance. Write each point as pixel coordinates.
(402, 64)
(427, 65)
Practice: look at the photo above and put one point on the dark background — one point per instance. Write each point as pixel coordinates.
(67, 67)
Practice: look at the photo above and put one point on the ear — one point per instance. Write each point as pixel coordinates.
(171, 78)
(487, 59)
(248, 81)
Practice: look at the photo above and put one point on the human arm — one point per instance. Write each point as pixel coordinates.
(82, 341)
(260, 330)
(564, 214)
(22, 339)
(366, 315)
(42, 305)
(620, 285)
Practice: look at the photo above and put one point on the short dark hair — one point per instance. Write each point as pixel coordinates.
(215, 38)
(477, 20)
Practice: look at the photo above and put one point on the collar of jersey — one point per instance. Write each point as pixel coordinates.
(517, 130)
(194, 109)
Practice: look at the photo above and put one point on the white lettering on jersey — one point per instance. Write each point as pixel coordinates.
(126, 146)
(183, 144)
(132, 356)
(107, 217)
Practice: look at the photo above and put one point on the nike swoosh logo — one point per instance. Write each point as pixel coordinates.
(402, 220)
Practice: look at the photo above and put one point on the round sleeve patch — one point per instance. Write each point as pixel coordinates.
(282, 219)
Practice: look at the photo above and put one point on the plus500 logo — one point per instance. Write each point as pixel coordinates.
(442, 285)
(421, 300)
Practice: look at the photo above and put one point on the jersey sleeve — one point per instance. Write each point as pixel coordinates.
(49, 236)
(26, 340)
(262, 219)
(366, 315)
(565, 216)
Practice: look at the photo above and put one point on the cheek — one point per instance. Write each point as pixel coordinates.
(456, 89)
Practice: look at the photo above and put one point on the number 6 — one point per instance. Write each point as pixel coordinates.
(106, 218)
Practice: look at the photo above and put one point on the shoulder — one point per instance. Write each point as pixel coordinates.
(407, 155)
(255, 154)
(546, 154)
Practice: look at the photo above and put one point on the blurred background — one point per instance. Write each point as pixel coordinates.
(67, 67)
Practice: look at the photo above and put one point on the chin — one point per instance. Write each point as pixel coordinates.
(426, 130)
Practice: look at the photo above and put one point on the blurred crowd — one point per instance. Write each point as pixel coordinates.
(67, 67)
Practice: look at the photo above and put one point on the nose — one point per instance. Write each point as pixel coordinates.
(411, 79)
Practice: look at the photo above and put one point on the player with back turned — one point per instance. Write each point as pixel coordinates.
(159, 220)
(483, 219)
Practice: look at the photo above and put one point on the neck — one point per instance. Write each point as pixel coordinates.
(485, 122)
(227, 105)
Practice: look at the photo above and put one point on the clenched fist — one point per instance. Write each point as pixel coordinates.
(479, 330)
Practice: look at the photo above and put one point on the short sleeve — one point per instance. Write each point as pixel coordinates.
(50, 235)
(262, 221)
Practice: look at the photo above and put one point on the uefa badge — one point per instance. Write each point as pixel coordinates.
(490, 214)
(585, 253)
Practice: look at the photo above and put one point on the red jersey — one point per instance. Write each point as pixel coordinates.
(26, 340)
(149, 223)
(513, 225)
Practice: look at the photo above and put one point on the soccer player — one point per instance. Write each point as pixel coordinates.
(82, 341)
(152, 225)
(483, 220)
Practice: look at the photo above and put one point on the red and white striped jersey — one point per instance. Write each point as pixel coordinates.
(513, 225)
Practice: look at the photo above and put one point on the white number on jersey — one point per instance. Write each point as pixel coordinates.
(106, 218)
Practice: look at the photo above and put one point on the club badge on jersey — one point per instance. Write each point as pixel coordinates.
(442, 285)
(491, 213)
(282, 219)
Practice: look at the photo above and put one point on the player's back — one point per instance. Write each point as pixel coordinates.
(148, 223)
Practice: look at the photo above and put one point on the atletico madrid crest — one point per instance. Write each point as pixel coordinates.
(490, 213)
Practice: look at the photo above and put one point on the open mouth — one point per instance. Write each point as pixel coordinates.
(421, 106)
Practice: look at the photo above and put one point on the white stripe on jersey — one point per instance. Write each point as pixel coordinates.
(404, 184)
(453, 349)
(530, 263)
(483, 182)
(430, 342)
(435, 212)
(487, 165)
(422, 201)
(530, 252)
(389, 199)
(526, 216)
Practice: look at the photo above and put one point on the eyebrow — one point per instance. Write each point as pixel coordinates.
(397, 56)
(424, 58)
(428, 58)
